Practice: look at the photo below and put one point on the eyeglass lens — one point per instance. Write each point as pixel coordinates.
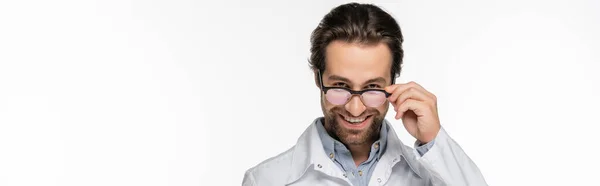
(369, 98)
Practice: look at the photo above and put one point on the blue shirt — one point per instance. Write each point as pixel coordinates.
(341, 156)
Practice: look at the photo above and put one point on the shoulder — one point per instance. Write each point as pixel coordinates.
(272, 171)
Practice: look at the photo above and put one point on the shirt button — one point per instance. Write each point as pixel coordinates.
(345, 176)
(319, 165)
(376, 145)
(360, 173)
(331, 155)
(379, 180)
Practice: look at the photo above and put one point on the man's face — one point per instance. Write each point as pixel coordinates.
(356, 67)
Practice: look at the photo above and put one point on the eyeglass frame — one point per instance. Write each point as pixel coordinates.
(352, 92)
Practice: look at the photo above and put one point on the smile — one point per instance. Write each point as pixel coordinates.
(354, 122)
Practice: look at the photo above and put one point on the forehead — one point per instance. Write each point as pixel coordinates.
(358, 62)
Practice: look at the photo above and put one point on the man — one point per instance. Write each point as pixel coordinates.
(356, 54)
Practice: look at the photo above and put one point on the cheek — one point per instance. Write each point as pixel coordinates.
(329, 108)
(383, 108)
(325, 105)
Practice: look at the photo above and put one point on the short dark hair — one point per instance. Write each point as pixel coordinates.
(357, 23)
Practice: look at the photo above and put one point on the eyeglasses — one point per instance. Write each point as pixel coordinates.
(341, 95)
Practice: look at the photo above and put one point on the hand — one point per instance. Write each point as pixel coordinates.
(418, 109)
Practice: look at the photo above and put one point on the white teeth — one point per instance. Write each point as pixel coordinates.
(354, 120)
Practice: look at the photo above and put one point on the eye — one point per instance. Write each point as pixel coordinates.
(373, 86)
(340, 84)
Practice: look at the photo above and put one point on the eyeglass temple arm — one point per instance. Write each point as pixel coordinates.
(320, 80)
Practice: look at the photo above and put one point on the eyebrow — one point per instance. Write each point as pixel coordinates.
(340, 78)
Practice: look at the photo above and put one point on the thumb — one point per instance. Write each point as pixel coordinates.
(391, 88)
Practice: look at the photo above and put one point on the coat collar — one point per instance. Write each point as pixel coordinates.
(309, 151)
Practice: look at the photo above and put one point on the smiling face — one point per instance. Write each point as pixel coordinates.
(357, 67)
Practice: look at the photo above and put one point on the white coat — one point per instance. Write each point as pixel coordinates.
(307, 164)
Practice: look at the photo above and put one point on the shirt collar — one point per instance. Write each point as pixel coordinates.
(309, 150)
(327, 141)
(331, 145)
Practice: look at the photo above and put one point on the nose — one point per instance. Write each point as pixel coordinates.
(355, 106)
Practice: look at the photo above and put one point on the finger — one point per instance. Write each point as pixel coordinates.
(418, 107)
(418, 86)
(391, 88)
(403, 87)
(396, 90)
(400, 90)
(413, 93)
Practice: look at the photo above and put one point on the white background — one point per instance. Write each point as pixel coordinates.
(195, 93)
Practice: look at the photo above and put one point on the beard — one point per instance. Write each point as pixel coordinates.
(353, 136)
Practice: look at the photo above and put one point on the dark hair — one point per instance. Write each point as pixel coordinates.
(357, 23)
